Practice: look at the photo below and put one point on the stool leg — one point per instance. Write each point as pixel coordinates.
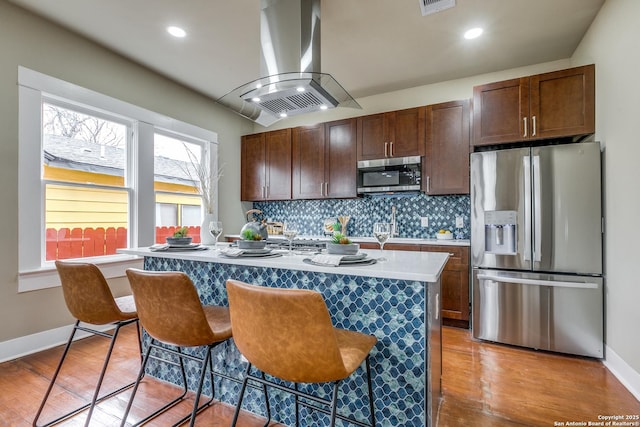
(334, 404)
(205, 362)
(242, 389)
(101, 377)
(266, 399)
(55, 376)
(371, 406)
(135, 387)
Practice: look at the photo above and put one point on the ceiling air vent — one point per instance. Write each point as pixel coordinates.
(433, 6)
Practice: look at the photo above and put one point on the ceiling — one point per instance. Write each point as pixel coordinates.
(368, 46)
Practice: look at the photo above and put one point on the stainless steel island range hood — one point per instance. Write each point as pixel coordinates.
(290, 63)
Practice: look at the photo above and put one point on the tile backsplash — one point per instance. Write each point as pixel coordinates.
(309, 215)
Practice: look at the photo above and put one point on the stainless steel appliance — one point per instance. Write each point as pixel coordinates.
(389, 175)
(536, 247)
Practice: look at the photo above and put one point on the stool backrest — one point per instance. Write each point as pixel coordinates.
(169, 308)
(87, 294)
(286, 333)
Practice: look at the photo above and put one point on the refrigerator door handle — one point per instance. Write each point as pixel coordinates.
(526, 170)
(535, 282)
(537, 213)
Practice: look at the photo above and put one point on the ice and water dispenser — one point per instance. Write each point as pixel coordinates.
(500, 232)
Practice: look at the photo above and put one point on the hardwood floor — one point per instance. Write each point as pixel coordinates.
(483, 385)
(488, 384)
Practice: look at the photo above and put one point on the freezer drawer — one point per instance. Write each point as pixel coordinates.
(548, 312)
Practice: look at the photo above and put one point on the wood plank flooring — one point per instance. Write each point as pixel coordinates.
(483, 385)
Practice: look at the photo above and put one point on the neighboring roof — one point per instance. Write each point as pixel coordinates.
(107, 159)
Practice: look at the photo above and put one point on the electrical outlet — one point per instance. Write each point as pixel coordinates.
(459, 222)
(424, 221)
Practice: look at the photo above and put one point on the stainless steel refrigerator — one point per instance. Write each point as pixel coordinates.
(536, 247)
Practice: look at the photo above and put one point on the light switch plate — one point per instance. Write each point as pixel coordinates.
(459, 222)
(424, 221)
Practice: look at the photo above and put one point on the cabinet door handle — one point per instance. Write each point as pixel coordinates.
(391, 154)
(264, 192)
(428, 183)
(533, 125)
(322, 189)
(525, 127)
(386, 149)
(326, 189)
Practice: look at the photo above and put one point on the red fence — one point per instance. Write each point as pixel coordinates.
(78, 242)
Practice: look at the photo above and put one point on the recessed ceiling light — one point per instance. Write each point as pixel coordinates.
(283, 115)
(255, 99)
(300, 89)
(323, 107)
(473, 33)
(176, 31)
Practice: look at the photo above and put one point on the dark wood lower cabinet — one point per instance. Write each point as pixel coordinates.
(454, 279)
(455, 285)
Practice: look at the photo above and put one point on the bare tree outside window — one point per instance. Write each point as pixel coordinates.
(71, 124)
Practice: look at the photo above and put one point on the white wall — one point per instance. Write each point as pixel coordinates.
(612, 44)
(39, 45)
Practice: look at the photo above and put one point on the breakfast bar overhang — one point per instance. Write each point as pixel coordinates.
(397, 300)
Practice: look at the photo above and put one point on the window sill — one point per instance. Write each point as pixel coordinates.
(47, 276)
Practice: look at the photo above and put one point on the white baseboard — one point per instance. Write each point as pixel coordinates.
(23, 346)
(623, 372)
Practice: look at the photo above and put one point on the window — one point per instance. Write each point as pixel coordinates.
(87, 191)
(88, 182)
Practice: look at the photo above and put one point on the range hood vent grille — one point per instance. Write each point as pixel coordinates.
(290, 41)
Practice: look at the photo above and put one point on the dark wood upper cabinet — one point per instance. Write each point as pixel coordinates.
(341, 160)
(308, 154)
(446, 164)
(266, 166)
(551, 105)
(393, 134)
(324, 160)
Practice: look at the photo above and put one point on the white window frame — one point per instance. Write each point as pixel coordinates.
(33, 87)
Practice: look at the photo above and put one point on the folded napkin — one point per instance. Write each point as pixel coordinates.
(159, 247)
(232, 252)
(333, 260)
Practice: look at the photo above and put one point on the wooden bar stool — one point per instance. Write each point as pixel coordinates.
(90, 301)
(172, 314)
(288, 334)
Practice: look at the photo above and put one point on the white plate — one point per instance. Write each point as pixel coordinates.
(188, 245)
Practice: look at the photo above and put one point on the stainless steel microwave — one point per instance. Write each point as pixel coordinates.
(389, 175)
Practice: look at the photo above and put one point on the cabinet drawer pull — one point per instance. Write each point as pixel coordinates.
(533, 125)
(524, 119)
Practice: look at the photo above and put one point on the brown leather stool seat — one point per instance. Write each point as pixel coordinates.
(288, 334)
(90, 301)
(173, 316)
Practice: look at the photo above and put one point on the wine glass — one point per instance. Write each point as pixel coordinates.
(381, 231)
(290, 232)
(215, 228)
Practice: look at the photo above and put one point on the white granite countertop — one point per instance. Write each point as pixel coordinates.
(356, 239)
(402, 265)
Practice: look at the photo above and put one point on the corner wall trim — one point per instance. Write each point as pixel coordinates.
(623, 372)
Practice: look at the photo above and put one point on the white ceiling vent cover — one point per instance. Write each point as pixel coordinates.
(433, 6)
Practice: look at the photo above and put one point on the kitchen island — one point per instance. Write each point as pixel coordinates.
(396, 300)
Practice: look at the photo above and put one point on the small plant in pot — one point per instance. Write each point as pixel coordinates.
(342, 245)
(251, 240)
(180, 237)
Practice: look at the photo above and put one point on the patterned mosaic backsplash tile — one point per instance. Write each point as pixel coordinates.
(309, 215)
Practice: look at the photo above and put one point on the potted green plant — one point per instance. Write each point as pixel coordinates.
(342, 245)
(180, 237)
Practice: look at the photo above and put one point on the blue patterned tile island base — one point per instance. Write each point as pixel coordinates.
(392, 310)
